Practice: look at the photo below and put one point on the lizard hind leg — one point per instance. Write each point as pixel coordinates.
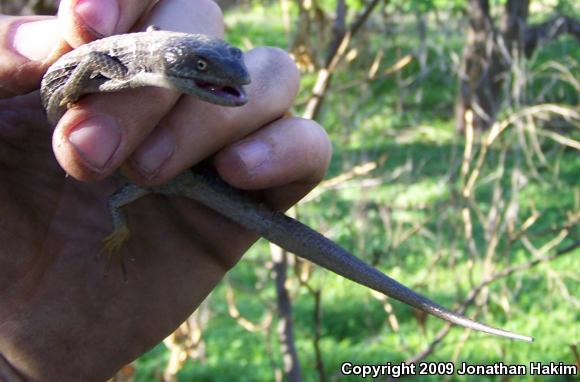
(114, 242)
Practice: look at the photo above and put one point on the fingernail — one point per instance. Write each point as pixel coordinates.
(252, 153)
(96, 139)
(35, 40)
(101, 16)
(154, 152)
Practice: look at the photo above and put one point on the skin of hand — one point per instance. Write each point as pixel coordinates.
(62, 316)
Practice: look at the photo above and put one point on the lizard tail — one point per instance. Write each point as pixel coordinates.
(331, 256)
(307, 243)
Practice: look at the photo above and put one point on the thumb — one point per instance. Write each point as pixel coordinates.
(28, 45)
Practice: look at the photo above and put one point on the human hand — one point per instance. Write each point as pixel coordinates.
(61, 316)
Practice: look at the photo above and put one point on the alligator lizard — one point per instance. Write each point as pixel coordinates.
(215, 72)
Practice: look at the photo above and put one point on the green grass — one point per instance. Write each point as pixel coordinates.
(419, 145)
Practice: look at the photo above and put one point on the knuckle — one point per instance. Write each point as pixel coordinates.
(320, 148)
(278, 62)
(211, 9)
(275, 77)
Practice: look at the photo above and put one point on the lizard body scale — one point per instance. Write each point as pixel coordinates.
(175, 60)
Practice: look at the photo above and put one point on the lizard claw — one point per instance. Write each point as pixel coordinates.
(66, 102)
(113, 243)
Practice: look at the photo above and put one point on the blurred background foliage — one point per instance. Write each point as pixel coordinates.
(455, 126)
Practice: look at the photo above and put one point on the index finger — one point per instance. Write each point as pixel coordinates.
(86, 20)
(101, 131)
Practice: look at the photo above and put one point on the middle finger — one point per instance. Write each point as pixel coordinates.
(195, 129)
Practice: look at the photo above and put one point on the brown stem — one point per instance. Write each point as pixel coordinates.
(336, 52)
(317, 336)
(285, 326)
(475, 292)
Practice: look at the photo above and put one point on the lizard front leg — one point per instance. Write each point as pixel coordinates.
(84, 78)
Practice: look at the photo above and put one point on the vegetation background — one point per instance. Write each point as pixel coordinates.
(455, 126)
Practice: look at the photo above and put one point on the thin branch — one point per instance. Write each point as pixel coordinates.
(336, 53)
(536, 35)
(484, 283)
(292, 369)
(318, 336)
(241, 320)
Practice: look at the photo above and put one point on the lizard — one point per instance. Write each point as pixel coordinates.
(214, 71)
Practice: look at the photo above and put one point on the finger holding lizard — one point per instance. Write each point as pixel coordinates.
(29, 44)
(195, 129)
(82, 21)
(101, 131)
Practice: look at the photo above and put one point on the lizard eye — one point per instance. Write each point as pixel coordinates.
(201, 64)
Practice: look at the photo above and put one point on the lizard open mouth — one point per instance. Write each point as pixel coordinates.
(230, 95)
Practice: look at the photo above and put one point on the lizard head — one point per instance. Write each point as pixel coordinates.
(208, 68)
